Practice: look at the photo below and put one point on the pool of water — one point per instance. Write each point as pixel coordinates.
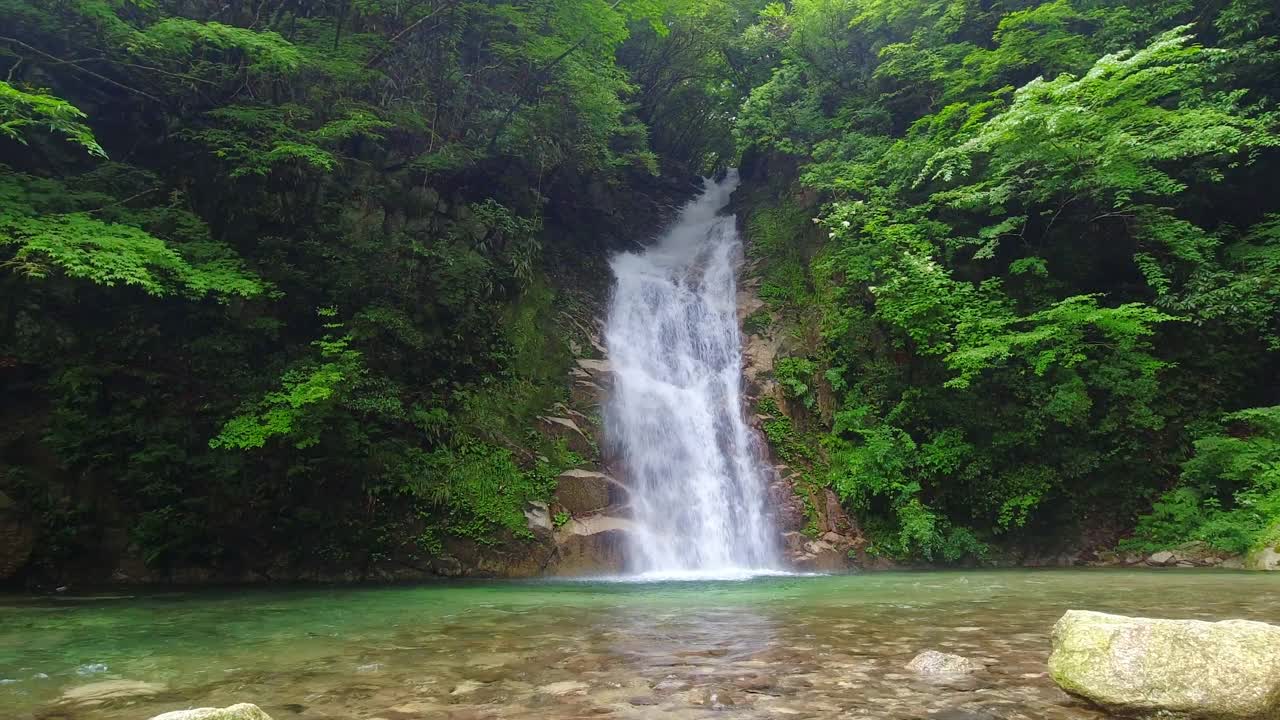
(770, 647)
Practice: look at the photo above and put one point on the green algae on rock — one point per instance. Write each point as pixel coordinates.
(1226, 670)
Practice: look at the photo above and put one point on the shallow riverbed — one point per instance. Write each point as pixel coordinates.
(800, 647)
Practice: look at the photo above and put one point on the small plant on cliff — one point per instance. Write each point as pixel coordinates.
(795, 375)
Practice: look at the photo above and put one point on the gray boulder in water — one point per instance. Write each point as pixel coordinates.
(1169, 668)
(243, 711)
(934, 663)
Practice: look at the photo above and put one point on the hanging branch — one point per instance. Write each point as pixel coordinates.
(538, 79)
(378, 56)
(86, 71)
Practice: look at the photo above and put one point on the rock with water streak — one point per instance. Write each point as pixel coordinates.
(592, 545)
(934, 663)
(1175, 668)
(242, 711)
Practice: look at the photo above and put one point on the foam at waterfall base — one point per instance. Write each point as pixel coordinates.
(729, 574)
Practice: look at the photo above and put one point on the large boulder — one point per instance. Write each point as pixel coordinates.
(1181, 668)
(243, 711)
(593, 545)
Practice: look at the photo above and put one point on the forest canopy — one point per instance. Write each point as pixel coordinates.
(300, 277)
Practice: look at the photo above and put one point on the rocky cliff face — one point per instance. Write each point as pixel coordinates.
(817, 534)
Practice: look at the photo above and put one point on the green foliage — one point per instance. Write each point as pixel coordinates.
(795, 375)
(1229, 492)
(1033, 220)
(307, 394)
(80, 246)
(21, 111)
(483, 488)
(445, 173)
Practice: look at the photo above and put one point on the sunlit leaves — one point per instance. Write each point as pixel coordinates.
(23, 111)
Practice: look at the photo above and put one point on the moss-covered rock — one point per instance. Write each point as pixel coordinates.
(1174, 668)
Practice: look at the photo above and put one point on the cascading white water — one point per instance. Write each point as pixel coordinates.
(675, 417)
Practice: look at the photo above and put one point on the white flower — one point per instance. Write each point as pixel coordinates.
(846, 223)
(831, 235)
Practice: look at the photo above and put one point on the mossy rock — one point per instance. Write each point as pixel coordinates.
(1143, 667)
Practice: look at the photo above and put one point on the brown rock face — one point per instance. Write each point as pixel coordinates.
(592, 546)
(583, 491)
(569, 431)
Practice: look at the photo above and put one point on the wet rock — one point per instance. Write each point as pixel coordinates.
(538, 517)
(564, 687)
(821, 556)
(100, 692)
(1187, 668)
(959, 714)
(643, 701)
(592, 545)
(670, 684)
(934, 663)
(596, 368)
(583, 491)
(242, 711)
(1267, 558)
(465, 687)
(755, 683)
(711, 698)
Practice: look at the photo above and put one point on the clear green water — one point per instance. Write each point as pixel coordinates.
(815, 647)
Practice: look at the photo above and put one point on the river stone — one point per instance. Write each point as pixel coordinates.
(1185, 668)
(1162, 558)
(582, 491)
(932, 662)
(243, 711)
(100, 692)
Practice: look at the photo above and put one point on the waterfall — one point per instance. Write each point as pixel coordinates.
(675, 417)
